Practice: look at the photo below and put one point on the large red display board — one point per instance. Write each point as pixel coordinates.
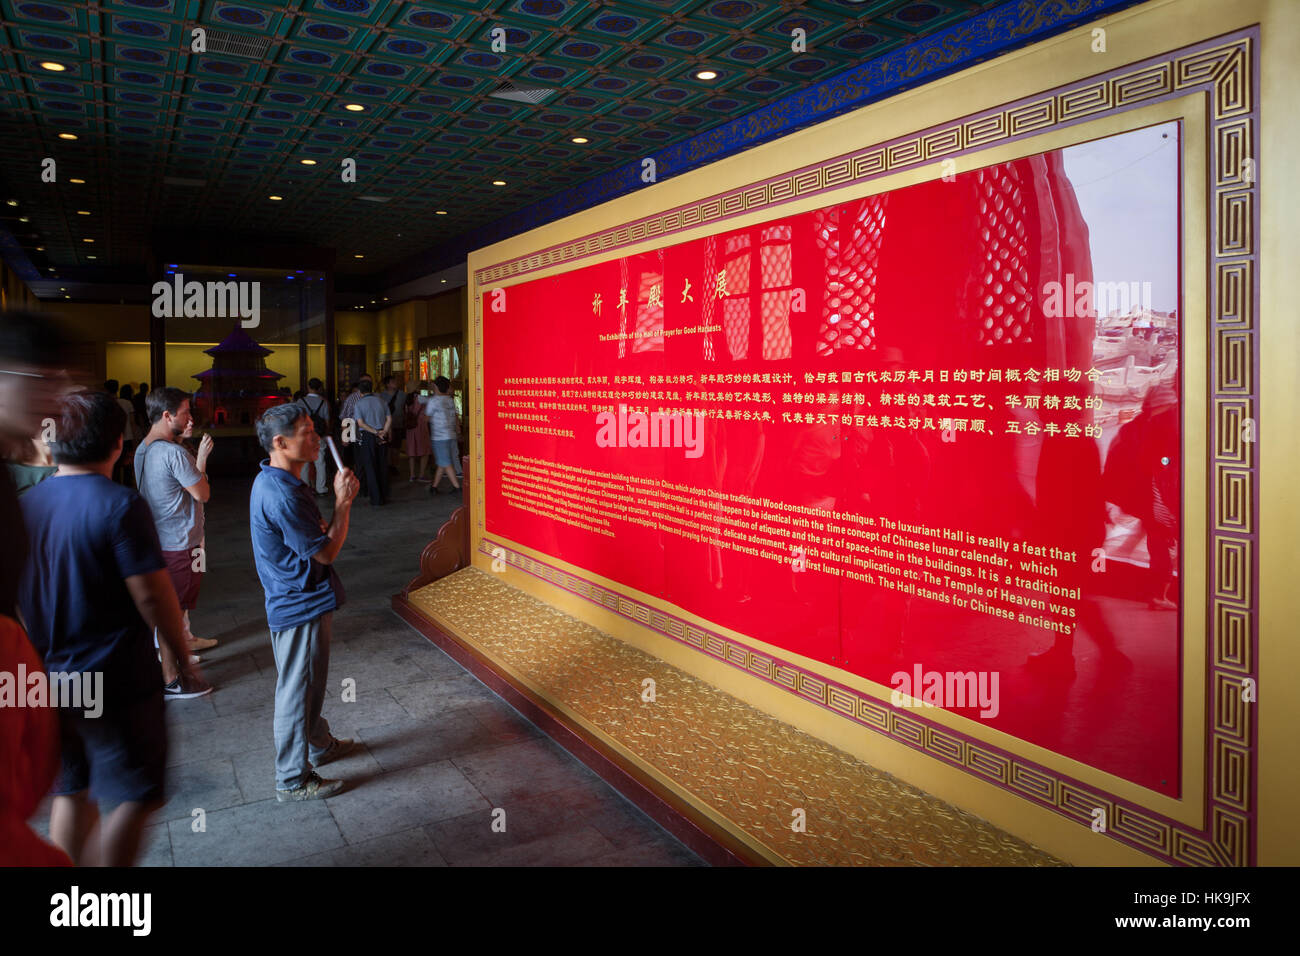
(912, 436)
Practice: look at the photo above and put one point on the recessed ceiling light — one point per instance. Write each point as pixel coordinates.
(11, 202)
(92, 257)
(385, 298)
(358, 256)
(440, 212)
(87, 240)
(275, 198)
(706, 75)
(63, 288)
(307, 162)
(67, 136)
(67, 297)
(40, 248)
(52, 66)
(83, 212)
(354, 107)
(580, 139)
(444, 280)
(498, 182)
(79, 182)
(23, 219)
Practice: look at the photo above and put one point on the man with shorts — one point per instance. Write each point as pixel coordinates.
(93, 589)
(176, 488)
(444, 426)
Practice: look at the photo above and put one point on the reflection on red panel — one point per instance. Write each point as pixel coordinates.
(896, 435)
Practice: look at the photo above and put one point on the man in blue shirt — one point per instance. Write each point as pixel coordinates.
(294, 550)
(93, 589)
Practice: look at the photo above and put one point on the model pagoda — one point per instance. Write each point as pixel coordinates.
(239, 386)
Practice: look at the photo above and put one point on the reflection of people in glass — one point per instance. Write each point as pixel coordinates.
(1142, 477)
(1071, 515)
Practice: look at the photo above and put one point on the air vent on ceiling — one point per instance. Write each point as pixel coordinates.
(522, 92)
(237, 44)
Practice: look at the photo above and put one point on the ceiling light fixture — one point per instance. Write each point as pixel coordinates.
(275, 198)
(440, 212)
(354, 107)
(23, 219)
(67, 136)
(498, 182)
(79, 182)
(706, 75)
(580, 139)
(307, 162)
(87, 240)
(52, 66)
(358, 256)
(92, 257)
(83, 212)
(11, 202)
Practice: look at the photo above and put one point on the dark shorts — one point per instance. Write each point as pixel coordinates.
(120, 755)
(185, 580)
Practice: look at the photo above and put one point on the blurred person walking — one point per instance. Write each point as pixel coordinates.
(29, 736)
(418, 441)
(94, 588)
(125, 396)
(375, 425)
(30, 382)
(318, 407)
(444, 422)
(295, 550)
(395, 401)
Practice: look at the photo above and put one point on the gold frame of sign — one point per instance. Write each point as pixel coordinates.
(1219, 68)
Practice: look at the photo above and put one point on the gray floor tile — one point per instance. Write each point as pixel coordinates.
(404, 799)
(209, 784)
(412, 743)
(256, 834)
(407, 848)
(517, 771)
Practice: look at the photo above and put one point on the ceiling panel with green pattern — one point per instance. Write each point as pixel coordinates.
(171, 139)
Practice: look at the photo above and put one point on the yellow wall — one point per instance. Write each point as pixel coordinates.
(394, 332)
(128, 362)
(1149, 30)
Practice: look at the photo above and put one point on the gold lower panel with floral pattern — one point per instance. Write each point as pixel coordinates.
(743, 769)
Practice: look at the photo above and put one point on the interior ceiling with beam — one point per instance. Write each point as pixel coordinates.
(170, 140)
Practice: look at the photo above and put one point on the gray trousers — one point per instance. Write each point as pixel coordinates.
(302, 661)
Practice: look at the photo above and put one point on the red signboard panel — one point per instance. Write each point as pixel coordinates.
(918, 436)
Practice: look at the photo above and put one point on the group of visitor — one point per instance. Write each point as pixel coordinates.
(96, 583)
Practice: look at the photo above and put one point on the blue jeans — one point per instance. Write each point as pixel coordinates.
(302, 662)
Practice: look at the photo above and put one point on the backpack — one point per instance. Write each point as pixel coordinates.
(317, 421)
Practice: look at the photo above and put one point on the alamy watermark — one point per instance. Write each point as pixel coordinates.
(78, 690)
(653, 430)
(1071, 299)
(946, 689)
(208, 300)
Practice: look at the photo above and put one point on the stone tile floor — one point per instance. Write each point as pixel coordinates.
(438, 752)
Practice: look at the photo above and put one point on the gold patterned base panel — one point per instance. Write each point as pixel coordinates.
(740, 766)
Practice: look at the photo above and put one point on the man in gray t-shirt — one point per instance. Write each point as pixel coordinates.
(176, 486)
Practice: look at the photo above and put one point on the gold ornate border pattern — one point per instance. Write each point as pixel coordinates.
(1226, 71)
